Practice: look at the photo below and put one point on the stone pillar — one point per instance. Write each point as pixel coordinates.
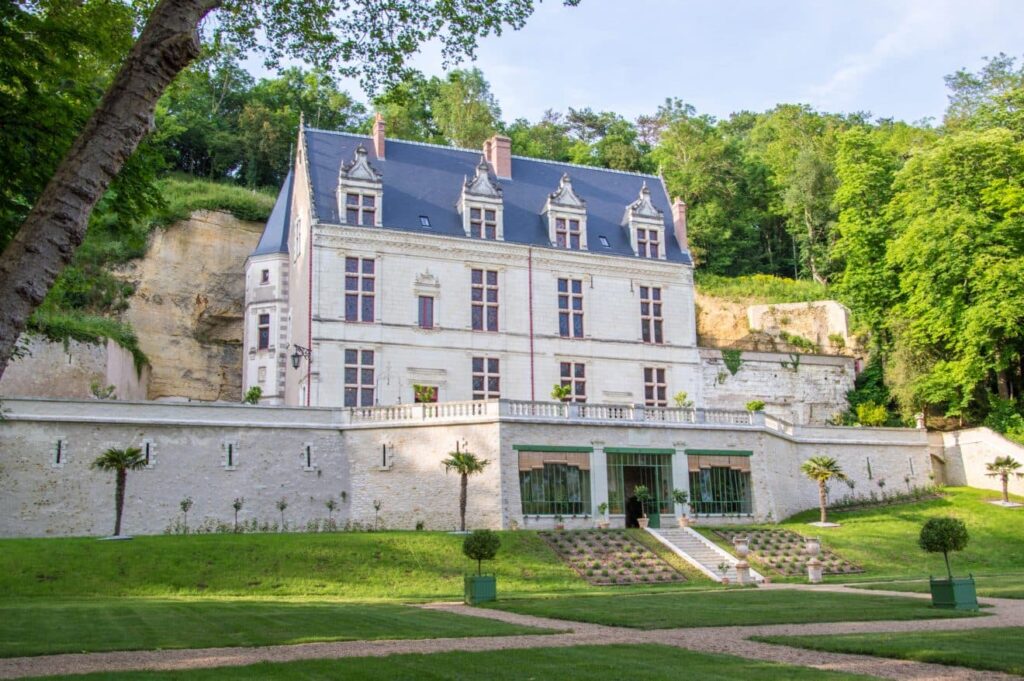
(598, 477)
(814, 564)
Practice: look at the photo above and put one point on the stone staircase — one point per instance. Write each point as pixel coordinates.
(700, 552)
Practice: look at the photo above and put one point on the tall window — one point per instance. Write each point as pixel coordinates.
(574, 375)
(567, 233)
(263, 332)
(360, 284)
(485, 300)
(647, 242)
(570, 308)
(655, 390)
(361, 209)
(483, 223)
(426, 312)
(650, 314)
(486, 378)
(554, 483)
(359, 380)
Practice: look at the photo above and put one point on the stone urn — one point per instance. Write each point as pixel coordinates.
(684, 520)
(741, 545)
(814, 568)
(643, 522)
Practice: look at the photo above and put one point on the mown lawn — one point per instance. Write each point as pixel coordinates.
(994, 586)
(342, 566)
(135, 624)
(582, 663)
(883, 540)
(726, 608)
(990, 649)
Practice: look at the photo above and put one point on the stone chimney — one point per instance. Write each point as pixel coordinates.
(679, 220)
(498, 152)
(378, 136)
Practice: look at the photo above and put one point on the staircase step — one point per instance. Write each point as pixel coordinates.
(695, 549)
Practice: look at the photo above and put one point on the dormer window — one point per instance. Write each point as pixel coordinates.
(567, 217)
(646, 226)
(481, 205)
(360, 191)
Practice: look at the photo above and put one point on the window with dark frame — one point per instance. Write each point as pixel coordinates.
(570, 308)
(486, 378)
(147, 451)
(263, 332)
(655, 389)
(264, 276)
(426, 312)
(359, 378)
(484, 300)
(648, 242)
(308, 455)
(651, 321)
(360, 289)
(58, 456)
(360, 209)
(567, 233)
(604, 241)
(483, 223)
(574, 375)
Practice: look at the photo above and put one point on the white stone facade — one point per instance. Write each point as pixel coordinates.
(392, 455)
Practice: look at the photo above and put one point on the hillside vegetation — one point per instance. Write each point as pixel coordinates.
(85, 301)
(756, 289)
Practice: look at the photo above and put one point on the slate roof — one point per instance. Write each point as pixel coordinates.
(275, 234)
(426, 180)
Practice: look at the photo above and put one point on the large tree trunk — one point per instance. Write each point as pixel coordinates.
(462, 502)
(119, 486)
(55, 227)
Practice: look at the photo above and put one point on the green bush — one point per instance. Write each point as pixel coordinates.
(755, 405)
(871, 414)
(798, 342)
(942, 535)
(762, 288)
(481, 545)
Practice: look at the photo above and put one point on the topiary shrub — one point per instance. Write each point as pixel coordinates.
(942, 535)
(481, 545)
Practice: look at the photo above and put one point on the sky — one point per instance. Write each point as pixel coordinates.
(886, 57)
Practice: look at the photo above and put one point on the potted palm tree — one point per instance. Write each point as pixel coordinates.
(465, 463)
(942, 535)
(681, 497)
(643, 495)
(481, 545)
(120, 461)
(821, 469)
(1003, 467)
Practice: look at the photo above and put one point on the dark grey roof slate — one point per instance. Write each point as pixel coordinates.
(275, 234)
(423, 179)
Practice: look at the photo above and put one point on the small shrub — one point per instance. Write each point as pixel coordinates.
(872, 414)
(755, 405)
(942, 535)
(481, 545)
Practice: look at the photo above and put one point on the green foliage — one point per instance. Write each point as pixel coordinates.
(183, 195)
(59, 326)
(733, 359)
(253, 395)
(942, 535)
(680, 496)
(464, 109)
(755, 405)
(871, 414)
(760, 288)
(481, 545)
(837, 341)
(682, 401)
(798, 341)
(644, 496)
(561, 393)
(1004, 417)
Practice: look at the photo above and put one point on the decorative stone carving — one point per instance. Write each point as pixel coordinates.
(481, 205)
(646, 226)
(483, 182)
(359, 168)
(359, 177)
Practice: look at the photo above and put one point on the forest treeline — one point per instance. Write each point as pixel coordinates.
(918, 227)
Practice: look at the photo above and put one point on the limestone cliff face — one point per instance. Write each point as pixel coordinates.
(188, 306)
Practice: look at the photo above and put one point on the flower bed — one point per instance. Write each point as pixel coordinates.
(783, 552)
(605, 557)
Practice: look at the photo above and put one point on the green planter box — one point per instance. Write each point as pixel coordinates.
(956, 594)
(481, 589)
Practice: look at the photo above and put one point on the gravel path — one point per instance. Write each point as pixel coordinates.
(727, 640)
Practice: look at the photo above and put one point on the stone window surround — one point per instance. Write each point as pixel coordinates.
(359, 366)
(649, 321)
(485, 374)
(569, 297)
(482, 203)
(496, 304)
(306, 453)
(658, 382)
(574, 379)
(149, 452)
(565, 204)
(360, 275)
(59, 456)
(230, 449)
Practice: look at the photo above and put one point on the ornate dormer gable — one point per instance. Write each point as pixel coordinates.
(360, 191)
(566, 214)
(481, 205)
(646, 226)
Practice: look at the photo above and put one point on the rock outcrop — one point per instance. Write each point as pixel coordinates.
(188, 306)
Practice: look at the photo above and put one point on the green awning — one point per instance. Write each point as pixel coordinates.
(719, 452)
(553, 448)
(638, 450)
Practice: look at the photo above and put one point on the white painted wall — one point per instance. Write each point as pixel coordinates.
(966, 453)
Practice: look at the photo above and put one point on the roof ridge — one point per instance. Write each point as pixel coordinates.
(480, 151)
